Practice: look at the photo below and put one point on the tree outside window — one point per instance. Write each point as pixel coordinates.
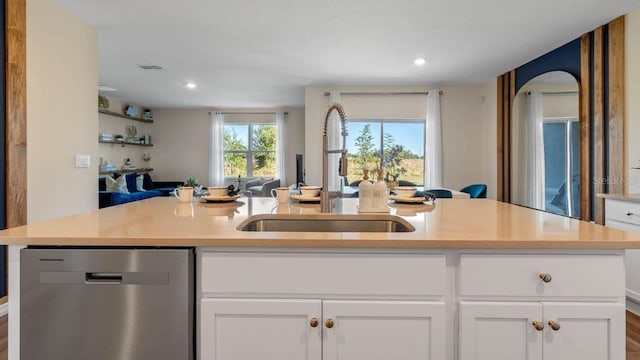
(249, 150)
(396, 144)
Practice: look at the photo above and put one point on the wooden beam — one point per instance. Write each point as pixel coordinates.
(598, 123)
(16, 113)
(585, 127)
(500, 125)
(617, 172)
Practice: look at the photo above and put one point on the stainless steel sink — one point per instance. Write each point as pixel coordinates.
(326, 223)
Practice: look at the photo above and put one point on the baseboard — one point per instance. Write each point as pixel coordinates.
(633, 306)
(4, 309)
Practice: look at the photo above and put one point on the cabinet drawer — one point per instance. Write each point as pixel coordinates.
(519, 275)
(624, 211)
(323, 274)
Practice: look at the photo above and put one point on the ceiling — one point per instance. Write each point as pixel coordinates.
(257, 53)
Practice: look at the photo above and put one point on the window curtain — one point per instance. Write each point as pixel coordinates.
(533, 145)
(280, 153)
(216, 170)
(433, 142)
(334, 142)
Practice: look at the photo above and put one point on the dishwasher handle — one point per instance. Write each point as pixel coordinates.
(103, 278)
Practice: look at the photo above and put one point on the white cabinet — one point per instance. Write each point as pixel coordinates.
(382, 330)
(241, 329)
(536, 331)
(290, 329)
(322, 305)
(410, 305)
(586, 331)
(625, 215)
(500, 331)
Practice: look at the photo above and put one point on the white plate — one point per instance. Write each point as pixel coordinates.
(303, 198)
(223, 198)
(408, 200)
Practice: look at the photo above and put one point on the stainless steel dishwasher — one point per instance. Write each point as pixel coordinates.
(106, 304)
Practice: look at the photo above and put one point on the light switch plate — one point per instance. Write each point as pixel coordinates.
(82, 161)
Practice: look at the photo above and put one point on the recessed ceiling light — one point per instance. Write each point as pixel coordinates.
(420, 61)
(192, 85)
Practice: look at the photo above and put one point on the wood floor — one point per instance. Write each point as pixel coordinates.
(3, 338)
(633, 337)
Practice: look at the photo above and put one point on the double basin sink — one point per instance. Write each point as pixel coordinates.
(326, 223)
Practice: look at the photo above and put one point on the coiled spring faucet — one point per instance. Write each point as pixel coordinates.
(342, 167)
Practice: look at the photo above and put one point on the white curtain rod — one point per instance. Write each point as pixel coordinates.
(326, 93)
(248, 113)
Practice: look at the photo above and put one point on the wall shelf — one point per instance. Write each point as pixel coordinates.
(142, 170)
(123, 143)
(102, 111)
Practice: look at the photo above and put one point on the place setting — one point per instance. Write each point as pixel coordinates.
(220, 194)
(407, 195)
(308, 194)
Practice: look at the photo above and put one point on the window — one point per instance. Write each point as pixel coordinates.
(398, 143)
(249, 150)
(562, 166)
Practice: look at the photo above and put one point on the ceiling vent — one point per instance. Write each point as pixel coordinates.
(150, 67)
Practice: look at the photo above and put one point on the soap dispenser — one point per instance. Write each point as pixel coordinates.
(380, 194)
(365, 193)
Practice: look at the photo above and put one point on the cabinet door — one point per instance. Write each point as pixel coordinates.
(500, 331)
(383, 330)
(241, 329)
(587, 331)
(631, 260)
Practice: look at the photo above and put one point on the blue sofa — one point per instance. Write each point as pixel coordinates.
(155, 188)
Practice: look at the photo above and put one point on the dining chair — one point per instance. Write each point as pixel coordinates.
(440, 193)
(475, 191)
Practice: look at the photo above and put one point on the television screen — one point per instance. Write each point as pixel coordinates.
(299, 170)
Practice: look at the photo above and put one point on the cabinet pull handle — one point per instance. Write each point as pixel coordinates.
(314, 322)
(555, 326)
(629, 213)
(329, 323)
(545, 277)
(538, 325)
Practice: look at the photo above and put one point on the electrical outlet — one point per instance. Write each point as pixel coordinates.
(82, 161)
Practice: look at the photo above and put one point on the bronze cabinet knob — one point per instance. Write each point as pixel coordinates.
(329, 323)
(545, 277)
(314, 322)
(538, 325)
(555, 326)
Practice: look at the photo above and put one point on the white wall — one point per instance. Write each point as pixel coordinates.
(463, 125)
(490, 138)
(632, 101)
(62, 81)
(181, 140)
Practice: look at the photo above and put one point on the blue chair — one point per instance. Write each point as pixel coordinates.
(476, 191)
(440, 193)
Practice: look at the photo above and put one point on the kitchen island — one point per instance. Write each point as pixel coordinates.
(477, 279)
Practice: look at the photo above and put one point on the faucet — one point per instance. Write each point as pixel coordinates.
(342, 168)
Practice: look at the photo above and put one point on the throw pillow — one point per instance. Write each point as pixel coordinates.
(140, 183)
(131, 182)
(148, 183)
(117, 185)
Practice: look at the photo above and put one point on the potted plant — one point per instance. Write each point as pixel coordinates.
(193, 183)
